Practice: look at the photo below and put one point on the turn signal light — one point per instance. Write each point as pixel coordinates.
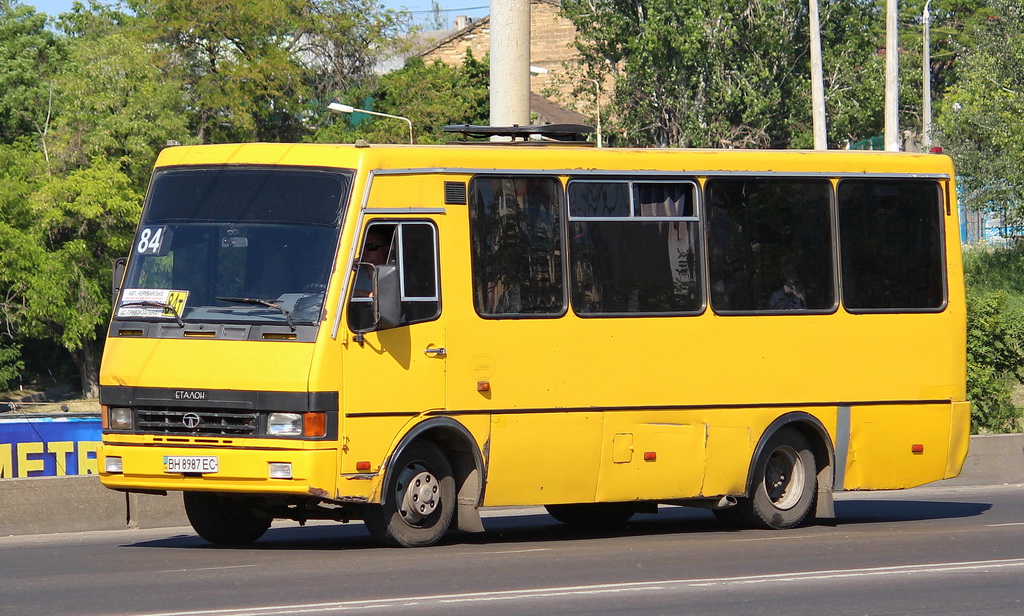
(314, 424)
(917, 448)
(363, 466)
(650, 456)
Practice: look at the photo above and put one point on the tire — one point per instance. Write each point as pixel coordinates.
(785, 485)
(593, 514)
(419, 499)
(222, 519)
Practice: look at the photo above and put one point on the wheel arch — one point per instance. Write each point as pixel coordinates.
(466, 459)
(821, 446)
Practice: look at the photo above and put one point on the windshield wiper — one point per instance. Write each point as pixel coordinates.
(269, 303)
(152, 304)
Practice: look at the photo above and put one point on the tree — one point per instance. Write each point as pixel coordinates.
(58, 240)
(129, 119)
(723, 73)
(979, 117)
(252, 69)
(29, 55)
(430, 95)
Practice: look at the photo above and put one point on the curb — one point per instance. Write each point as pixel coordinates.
(80, 503)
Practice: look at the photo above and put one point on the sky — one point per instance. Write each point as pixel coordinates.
(421, 9)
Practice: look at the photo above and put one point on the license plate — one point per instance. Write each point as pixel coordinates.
(191, 464)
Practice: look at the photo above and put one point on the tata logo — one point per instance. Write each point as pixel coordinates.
(184, 394)
(191, 421)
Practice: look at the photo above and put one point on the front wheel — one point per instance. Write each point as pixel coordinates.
(222, 519)
(419, 499)
(785, 485)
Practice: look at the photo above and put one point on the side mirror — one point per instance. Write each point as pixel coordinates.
(377, 299)
(119, 265)
(387, 296)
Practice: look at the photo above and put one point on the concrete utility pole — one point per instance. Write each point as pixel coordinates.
(926, 77)
(510, 62)
(817, 82)
(892, 73)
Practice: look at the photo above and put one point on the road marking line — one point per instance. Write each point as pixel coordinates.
(519, 551)
(1007, 524)
(205, 569)
(594, 589)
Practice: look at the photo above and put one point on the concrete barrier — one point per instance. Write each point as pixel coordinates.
(79, 503)
(994, 459)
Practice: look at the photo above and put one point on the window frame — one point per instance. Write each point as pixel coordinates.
(697, 195)
(396, 239)
(560, 236)
(833, 238)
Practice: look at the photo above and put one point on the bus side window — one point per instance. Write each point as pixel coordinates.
(634, 247)
(412, 247)
(890, 237)
(770, 245)
(515, 224)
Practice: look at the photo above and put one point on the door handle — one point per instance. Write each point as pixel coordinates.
(435, 351)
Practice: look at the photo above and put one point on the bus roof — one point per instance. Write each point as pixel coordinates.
(559, 159)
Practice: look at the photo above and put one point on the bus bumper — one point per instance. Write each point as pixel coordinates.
(144, 468)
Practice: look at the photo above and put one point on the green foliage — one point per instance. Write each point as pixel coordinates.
(980, 115)
(722, 73)
(430, 95)
(995, 335)
(29, 54)
(129, 119)
(11, 364)
(247, 66)
(995, 361)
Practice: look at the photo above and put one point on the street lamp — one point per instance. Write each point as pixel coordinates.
(540, 70)
(340, 108)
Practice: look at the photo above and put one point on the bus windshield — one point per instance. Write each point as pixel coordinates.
(235, 244)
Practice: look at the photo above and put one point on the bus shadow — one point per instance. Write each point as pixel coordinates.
(882, 510)
(540, 527)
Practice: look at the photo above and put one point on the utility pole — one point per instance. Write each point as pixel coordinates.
(510, 62)
(892, 71)
(926, 77)
(817, 82)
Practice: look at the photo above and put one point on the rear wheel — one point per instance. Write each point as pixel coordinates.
(593, 514)
(222, 519)
(419, 500)
(785, 485)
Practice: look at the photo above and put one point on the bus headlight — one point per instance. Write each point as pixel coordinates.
(120, 418)
(284, 424)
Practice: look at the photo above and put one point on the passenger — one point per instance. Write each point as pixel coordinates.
(789, 297)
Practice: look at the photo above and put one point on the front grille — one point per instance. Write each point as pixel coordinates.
(163, 421)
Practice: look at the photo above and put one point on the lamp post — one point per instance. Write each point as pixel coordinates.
(926, 80)
(539, 70)
(340, 108)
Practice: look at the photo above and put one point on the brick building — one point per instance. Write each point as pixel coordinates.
(551, 39)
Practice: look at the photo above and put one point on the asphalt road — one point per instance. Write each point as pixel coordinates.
(923, 551)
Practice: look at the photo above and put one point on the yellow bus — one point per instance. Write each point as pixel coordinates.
(406, 334)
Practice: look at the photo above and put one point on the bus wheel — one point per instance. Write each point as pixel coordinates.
(419, 502)
(785, 485)
(220, 519)
(592, 514)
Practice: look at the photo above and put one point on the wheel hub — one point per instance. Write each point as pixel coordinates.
(418, 493)
(784, 477)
